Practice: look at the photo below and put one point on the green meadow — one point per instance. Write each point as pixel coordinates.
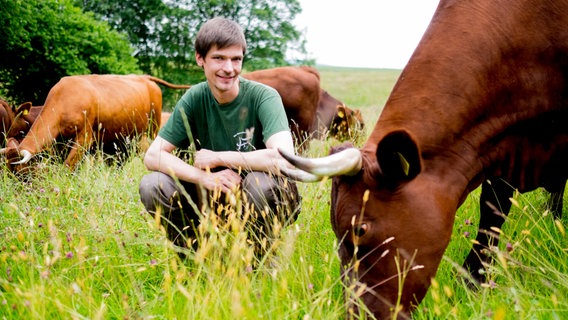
(79, 245)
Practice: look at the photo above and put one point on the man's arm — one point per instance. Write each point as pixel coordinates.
(159, 157)
(268, 160)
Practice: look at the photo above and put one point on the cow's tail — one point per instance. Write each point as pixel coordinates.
(167, 84)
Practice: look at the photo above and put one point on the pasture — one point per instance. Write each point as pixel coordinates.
(78, 245)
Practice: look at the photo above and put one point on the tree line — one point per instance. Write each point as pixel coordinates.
(45, 40)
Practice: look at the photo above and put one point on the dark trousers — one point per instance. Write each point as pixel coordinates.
(269, 199)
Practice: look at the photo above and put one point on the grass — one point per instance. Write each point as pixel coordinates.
(78, 245)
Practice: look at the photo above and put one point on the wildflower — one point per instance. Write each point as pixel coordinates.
(310, 286)
(509, 247)
(466, 234)
(69, 255)
(153, 262)
(467, 222)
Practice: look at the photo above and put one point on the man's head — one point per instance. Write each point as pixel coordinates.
(219, 32)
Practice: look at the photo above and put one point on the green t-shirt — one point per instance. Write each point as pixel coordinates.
(241, 125)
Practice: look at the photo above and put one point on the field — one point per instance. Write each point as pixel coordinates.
(79, 245)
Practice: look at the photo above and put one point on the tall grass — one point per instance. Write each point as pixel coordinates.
(79, 245)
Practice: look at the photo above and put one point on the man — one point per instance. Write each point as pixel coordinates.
(235, 125)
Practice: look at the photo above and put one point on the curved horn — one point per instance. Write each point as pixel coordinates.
(3, 150)
(346, 162)
(27, 156)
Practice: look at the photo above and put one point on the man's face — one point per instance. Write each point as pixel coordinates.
(222, 68)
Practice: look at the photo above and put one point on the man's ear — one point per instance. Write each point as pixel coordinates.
(199, 59)
(398, 158)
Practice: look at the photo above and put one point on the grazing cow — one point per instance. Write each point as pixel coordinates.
(87, 109)
(15, 122)
(311, 111)
(484, 97)
(335, 118)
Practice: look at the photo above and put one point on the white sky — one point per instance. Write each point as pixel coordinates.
(364, 33)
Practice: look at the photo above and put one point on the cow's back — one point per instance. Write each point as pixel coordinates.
(112, 105)
(299, 88)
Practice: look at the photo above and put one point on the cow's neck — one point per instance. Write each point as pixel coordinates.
(463, 92)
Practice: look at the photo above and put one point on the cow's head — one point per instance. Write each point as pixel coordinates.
(15, 122)
(347, 124)
(390, 221)
(16, 159)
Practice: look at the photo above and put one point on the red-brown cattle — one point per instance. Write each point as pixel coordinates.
(87, 109)
(311, 111)
(484, 97)
(15, 122)
(334, 118)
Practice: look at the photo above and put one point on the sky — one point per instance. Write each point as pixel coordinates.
(364, 33)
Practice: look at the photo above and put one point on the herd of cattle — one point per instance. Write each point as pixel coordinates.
(108, 110)
(482, 101)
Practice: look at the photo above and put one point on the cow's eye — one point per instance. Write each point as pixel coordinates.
(360, 229)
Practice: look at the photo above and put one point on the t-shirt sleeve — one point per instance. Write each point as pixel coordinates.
(177, 129)
(272, 114)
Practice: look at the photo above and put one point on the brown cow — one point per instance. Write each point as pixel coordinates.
(311, 111)
(333, 117)
(483, 98)
(87, 109)
(15, 122)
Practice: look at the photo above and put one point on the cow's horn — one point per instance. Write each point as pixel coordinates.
(3, 150)
(346, 162)
(26, 157)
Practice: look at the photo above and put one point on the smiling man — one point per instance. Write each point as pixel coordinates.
(235, 125)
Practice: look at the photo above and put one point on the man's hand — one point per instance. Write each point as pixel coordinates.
(204, 159)
(226, 180)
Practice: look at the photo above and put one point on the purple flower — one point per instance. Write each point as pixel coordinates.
(69, 255)
(509, 247)
(466, 234)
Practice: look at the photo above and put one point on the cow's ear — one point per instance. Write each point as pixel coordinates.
(398, 158)
(24, 108)
(340, 111)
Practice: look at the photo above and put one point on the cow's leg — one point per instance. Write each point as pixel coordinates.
(555, 201)
(494, 207)
(80, 145)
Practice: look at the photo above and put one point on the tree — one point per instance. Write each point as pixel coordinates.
(45, 40)
(163, 32)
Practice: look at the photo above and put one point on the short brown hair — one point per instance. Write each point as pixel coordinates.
(219, 32)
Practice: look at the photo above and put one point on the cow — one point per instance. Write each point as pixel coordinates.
(107, 110)
(16, 121)
(482, 100)
(311, 111)
(333, 117)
